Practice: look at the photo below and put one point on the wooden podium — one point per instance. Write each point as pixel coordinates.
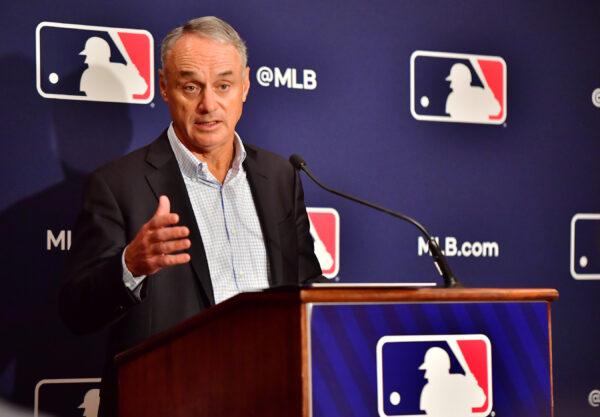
(261, 354)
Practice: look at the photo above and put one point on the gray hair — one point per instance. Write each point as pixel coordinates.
(206, 27)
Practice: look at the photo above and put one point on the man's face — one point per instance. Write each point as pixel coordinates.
(204, 84)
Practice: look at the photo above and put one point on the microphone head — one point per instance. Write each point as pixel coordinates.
(297, 161)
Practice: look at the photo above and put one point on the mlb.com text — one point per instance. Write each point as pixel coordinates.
(452, 247)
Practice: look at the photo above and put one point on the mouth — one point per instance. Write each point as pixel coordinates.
(207, 125)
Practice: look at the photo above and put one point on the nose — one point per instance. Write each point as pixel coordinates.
(208, 101)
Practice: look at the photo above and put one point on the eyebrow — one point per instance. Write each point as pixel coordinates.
(186, 73)
(192, 73)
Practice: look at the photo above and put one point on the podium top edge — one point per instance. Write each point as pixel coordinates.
(424, 294)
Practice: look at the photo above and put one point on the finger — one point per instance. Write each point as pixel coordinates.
(170, 260)
(169, 233)
(164, 205)
(163, 220)
(165, 248)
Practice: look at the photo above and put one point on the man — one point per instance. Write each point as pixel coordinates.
(191, 219)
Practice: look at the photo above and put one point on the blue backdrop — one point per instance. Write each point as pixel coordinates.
(515, 185)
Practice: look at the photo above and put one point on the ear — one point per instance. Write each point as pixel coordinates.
(162, 83)
(245, 83)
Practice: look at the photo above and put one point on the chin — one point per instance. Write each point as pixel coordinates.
(209, 141)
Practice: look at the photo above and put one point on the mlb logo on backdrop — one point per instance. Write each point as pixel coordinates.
(325, 231)
(94, 63)
(464, 88)
(434, 375)
(74, 397)
(585, 246)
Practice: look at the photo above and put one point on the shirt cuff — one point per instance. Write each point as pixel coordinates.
(131, 282)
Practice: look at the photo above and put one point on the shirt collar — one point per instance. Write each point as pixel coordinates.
(192, 167)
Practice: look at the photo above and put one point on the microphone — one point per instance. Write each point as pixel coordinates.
(439, 259)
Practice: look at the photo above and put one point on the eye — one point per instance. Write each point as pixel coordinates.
(223, 87)
(190, 88)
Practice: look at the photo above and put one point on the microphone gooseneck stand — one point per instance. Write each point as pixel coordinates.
(439, 260)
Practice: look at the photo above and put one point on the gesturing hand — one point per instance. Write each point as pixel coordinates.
(157, 241)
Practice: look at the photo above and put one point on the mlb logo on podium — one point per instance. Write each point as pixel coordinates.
(434, 375)
(325, 231)
(94, 63)
(464, 88)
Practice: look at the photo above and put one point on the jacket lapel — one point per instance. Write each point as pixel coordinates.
(261, 187)
(166, 179)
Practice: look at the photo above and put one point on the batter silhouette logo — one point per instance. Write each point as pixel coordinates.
(434, 375)
(94, 63)
(325, 231)
(75, 396)
(464, 88)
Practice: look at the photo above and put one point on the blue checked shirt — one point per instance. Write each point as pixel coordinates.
(228, 223)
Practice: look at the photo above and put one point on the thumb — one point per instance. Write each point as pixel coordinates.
(164, 206)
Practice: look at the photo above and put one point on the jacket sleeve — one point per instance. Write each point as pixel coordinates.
(309, 270)
(93, 293)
